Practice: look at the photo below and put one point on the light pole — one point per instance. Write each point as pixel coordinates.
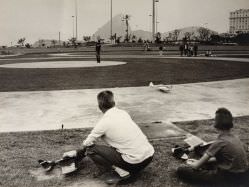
(156, 18)
(111, 23)
(73, 26)
(59, 38)
(150, 27)
(157, 26)
(153, 18)
(76, 20)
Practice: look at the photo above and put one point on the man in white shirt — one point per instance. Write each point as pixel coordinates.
(128, 150)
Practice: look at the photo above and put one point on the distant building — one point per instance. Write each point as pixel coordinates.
(239, 21)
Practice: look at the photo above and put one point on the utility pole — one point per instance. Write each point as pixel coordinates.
(76, 20)
(73, 26)
(157, 26)
(156, 18)
(153, 20)
(59, 38)
(111, 23)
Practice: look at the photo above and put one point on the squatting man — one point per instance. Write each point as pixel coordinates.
(127, 152)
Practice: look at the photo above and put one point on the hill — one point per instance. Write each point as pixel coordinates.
(193, 32)
(118, 27)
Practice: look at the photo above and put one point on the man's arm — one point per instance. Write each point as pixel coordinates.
(98, 131)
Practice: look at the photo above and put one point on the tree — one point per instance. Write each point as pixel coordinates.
(242, 39)
(27, 45)
(158, 37)
(187, 35)
(204, 34)
(41, 43)
(73, 41)
(87, 38)
(54, 42)
(170, 37)
(118, 39)
(215, 38)
(140, 40)
(134, 38)
(114, 38)
(126, 18)
(21, 41)
(176, 33)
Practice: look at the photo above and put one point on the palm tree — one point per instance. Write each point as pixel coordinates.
(21, 41)
(86, 38)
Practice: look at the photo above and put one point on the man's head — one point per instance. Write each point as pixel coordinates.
(223, 119)
(105, 100)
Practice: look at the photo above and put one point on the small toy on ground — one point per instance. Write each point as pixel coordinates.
(194, 144)
(69, 162)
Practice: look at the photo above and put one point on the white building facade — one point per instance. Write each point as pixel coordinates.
(239, 21)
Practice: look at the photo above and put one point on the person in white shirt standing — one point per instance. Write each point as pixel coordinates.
(128, 150)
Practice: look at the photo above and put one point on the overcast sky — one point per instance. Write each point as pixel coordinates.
(44, 19)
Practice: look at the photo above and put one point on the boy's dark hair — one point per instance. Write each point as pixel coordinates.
(223, 119)
(106, 100)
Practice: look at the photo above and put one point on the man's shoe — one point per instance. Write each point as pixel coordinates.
(117, 176)
(121, 172)
(112, 178)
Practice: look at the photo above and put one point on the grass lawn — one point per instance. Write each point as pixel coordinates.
(137, 72)
(20, 151)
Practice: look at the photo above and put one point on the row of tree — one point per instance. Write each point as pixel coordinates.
(205, 37)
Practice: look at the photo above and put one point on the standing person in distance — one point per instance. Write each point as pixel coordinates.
(98, 49)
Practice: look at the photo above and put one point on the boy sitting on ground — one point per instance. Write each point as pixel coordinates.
(229, 153)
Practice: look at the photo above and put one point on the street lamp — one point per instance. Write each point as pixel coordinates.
(150, 26)
(157, 17)
(73, 25)
(111, 23)
(76, 20)
(157, 26)
(153, 18)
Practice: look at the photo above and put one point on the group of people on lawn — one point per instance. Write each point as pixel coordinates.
(188, 49)
(128, 151)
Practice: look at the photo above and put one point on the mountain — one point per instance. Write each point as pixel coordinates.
(194, 32)
(45, 43)
(144, 35)
(118, 27)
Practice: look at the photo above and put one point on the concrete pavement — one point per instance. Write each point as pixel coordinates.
(44, 110)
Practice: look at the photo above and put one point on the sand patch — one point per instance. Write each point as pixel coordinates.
(62, 64)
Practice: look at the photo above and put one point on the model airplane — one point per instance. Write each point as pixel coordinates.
(194, 144)
(68, 163)
(162, 87)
